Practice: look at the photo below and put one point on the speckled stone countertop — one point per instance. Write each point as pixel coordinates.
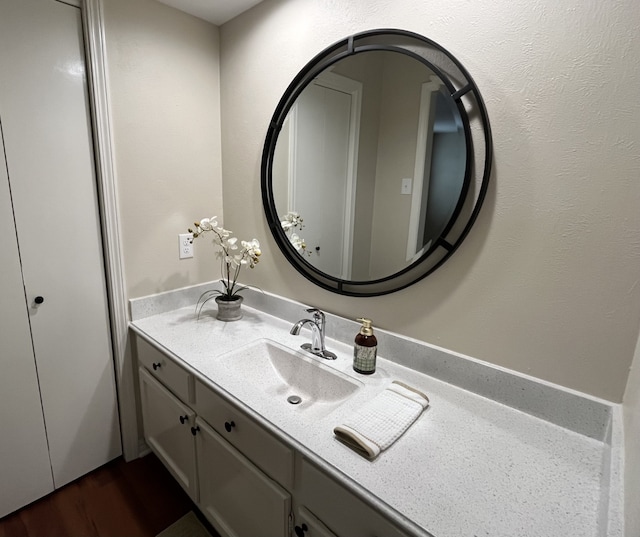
(469, 466)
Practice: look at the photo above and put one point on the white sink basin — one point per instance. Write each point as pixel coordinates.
(280, 372)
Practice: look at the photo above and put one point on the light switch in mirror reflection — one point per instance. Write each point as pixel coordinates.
(347, 146)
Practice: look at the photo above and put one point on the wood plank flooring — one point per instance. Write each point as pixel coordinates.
(135, 499)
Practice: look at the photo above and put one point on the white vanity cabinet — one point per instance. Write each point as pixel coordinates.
(184, 429)
(245, 480)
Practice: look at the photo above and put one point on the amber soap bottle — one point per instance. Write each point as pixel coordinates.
(365, 349)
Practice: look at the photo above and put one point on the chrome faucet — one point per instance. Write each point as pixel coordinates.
(317, 324)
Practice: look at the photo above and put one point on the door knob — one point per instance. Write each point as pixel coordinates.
(228, 425)
(39, 299)
(300, 530)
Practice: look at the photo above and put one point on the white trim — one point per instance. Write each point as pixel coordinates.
(93, 24)
(354, 89)
(292, 118)
(423, 162)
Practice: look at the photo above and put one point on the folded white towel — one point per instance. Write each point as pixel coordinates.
(380, 422)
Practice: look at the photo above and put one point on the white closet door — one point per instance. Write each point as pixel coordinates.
(44, 108)
(24, 457)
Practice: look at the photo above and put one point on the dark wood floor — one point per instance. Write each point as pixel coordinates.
(135, 499)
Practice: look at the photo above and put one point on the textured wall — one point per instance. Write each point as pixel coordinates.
(546, 283)
(165, 104)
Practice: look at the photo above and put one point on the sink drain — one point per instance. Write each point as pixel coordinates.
(294, 399)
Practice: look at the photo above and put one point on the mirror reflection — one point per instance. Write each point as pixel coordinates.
(369, 166)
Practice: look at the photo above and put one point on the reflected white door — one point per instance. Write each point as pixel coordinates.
(44, 111)
(321, 166)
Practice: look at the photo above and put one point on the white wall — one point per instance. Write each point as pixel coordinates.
(163, 68)
(631, 409)
(546, 283)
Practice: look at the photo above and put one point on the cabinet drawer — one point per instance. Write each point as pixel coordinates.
(265, 451)
(341, 511)
(166, 371)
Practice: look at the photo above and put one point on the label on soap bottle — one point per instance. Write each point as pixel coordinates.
(364, 359)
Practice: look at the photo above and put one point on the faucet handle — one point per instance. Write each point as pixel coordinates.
(317, 314)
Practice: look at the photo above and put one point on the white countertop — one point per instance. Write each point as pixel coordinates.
(469, 466)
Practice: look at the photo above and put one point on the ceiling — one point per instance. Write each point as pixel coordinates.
(215, 11)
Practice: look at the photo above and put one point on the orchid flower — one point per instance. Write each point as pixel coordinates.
(232, 257)
(291, 221)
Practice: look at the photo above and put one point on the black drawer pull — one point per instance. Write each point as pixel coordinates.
(300, 530)
(184, 419)
(156, 365)
(228, 425)
(194, 430)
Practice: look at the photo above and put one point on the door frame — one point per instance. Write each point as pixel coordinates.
(422, 169)
(97, 82)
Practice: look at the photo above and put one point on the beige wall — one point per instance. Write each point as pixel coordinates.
(631, 409)
(399, 111)
(546, 283)
(163, 68)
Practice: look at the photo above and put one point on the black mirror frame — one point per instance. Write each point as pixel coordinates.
(477, 172)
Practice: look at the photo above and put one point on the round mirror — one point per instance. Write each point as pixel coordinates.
(376, 163)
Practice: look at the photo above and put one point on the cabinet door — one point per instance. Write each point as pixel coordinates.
(168, 431)
(238, 499)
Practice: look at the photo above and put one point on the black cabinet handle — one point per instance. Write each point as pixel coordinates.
(156, 365)
(194, 430)
(184, 419)
(300, 530)
(39, 299)
(228, 425)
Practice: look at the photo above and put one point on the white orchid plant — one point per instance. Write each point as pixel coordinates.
(290, 223)
(232, 258)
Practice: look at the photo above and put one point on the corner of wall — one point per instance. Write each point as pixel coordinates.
(631, 417)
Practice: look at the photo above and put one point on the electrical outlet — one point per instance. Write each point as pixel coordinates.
(406, 186)
(186, 245)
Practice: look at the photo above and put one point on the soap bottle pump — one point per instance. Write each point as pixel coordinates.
(365, 349)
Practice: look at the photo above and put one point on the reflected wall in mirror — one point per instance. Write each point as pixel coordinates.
(369, 163)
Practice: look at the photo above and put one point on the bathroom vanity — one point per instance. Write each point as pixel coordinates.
(496, 453)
